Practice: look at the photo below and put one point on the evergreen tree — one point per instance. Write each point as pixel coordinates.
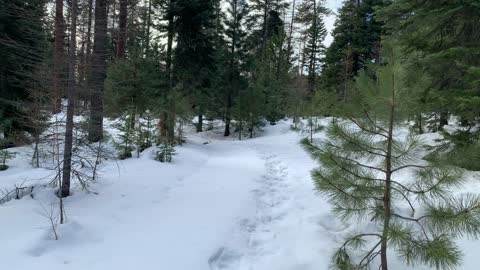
(356, 42)
(235, 55)
(311, 15)
(365, 163)
(195, 52)
(443, 38)
(22, 48)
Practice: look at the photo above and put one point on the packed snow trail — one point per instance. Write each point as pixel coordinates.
(225, 205)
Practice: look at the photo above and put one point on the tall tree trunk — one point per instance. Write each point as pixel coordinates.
(95, 132)
(58, 62)
(148, 25)
(313, 54)
(67, 153)
(290, 33)
(122, 33)
(388, 180)
(170, 116)
(232, 65)
(265, 25)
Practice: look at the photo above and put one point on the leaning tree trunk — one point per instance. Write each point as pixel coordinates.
(95, 131)
(67, 153)
(58, 57)
(122, 24)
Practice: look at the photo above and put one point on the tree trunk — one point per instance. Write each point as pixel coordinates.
(200, 123)
(58, 61)
(67, 153)
(443, 120)
(388, 181)
(290, 33)
(313, 56)
(265, 25)
(95, 132)
(148, 24)
(122, 33)
(170, 117)
(232, 67)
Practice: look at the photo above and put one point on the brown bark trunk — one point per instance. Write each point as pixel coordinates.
(58, 62)
(67, 154)
(122, 24)
(95, 132)
(388, 181)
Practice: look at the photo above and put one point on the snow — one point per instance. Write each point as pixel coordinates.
(225, 205)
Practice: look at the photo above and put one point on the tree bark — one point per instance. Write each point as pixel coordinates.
(95, 132)
(313, 56)
(170, 116)
(232, 66)
(148, 25)
(67, 153)
(122, 33)
(200, 123)
(58, 62)
(388, 180)
(290, 33)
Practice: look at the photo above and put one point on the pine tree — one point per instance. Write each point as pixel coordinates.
(235, 54)
(22, 51)
(443, 37)
(371, 173)
(311, 15)
(5, 155)
(356, 42)
(194, 55)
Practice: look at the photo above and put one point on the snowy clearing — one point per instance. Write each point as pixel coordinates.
(230, 205)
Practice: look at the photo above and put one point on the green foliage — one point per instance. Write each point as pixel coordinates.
(311, 14)
(22, 46)
(126, 136)
(5, 155)
(166, 152)
(133, 82)
(356, 43)
(364, 162)
(461, 148)
(441, 34)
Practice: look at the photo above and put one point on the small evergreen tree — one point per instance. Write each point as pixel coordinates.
(126, 136)
(165, 152)
(372, 173)
(5, 155)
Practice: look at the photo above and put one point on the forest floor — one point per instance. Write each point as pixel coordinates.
(223, 204)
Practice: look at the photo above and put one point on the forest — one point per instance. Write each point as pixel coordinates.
(370, 124)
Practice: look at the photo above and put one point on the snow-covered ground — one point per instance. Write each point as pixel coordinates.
(225, 205)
